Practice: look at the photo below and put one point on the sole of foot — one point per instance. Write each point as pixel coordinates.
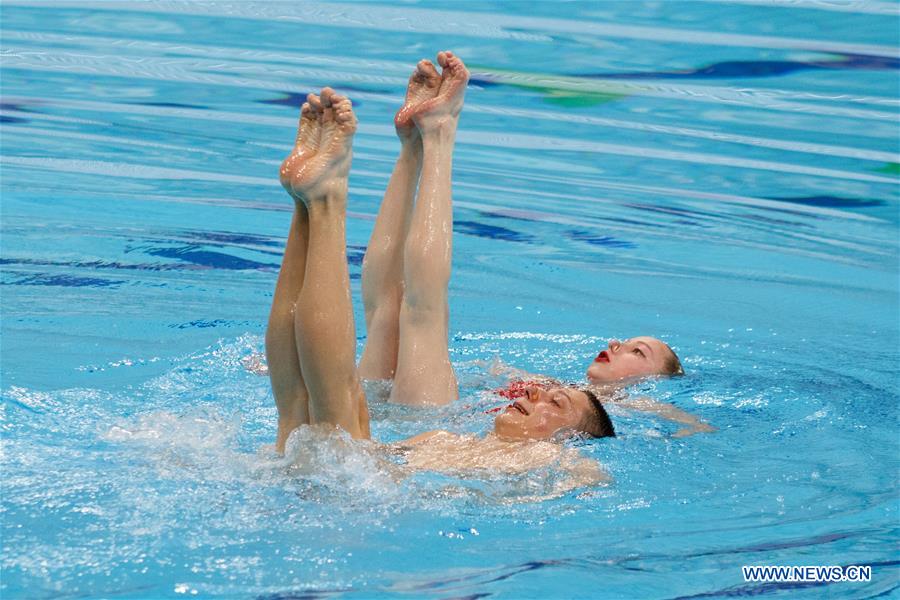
(445, 107)
(327, 169)
(306, 144)
(423, 85)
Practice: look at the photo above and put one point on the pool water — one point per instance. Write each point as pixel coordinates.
(723, 175)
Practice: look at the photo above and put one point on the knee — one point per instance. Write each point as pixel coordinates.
(383, 304)
(423, 310)
(381, 252)
(425, 277)
(385, 315)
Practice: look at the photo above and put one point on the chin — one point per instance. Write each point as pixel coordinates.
(502, 427)
(507, 428)
(598, 378)
(599, 373)
(498, 422)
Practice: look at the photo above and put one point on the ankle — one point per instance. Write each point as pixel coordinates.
(411, 148)
(439, 130)
(331, 191)
(327, 212)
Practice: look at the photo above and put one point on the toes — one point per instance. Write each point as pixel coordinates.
(329, 106)
(343, 109)
(422, 67)
(327, 97)
(306, 111)
(340, 103)
(451, 64)
(421, 77)
(416, 80)
(344, 116)
(429, 72)
(456, 69)
(424, 77)
(315, 105)
(343, 106)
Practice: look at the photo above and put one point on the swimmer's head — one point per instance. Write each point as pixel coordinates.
(542, 413)
(634, 358)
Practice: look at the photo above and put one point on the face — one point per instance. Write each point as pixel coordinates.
(637, 357)
(541, 413)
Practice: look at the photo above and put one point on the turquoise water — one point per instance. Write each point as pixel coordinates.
(720, 174)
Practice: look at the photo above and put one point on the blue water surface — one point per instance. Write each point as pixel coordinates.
(723, 175)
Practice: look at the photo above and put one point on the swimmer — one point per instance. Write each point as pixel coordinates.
(310, 338)
(614, 368)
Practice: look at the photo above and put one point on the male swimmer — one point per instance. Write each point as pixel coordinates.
(310, 338)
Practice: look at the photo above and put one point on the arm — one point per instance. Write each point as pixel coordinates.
(419, 438)
(579, 473)
(671, 413)
(498, 368)
(583, 472)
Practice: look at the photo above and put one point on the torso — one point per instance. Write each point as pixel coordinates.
(532, 471)
(454, 453)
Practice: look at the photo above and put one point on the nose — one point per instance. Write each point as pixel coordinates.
(614, 345)
(533, 394)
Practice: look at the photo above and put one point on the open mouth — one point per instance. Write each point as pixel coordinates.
(602, 357)
(519, 408)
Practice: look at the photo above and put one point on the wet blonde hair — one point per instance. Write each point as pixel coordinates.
(672, 366)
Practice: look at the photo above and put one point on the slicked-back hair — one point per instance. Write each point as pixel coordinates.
(596, 422)
(672, 366)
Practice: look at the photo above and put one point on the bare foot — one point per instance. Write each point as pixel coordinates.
(446, 106)
(331, 162)
(306, 143)
(423, 85)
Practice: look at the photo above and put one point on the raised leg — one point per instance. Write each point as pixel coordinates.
(323, 318)
(382, 278)
(288, 387)
(291, 396)
(424, 372)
